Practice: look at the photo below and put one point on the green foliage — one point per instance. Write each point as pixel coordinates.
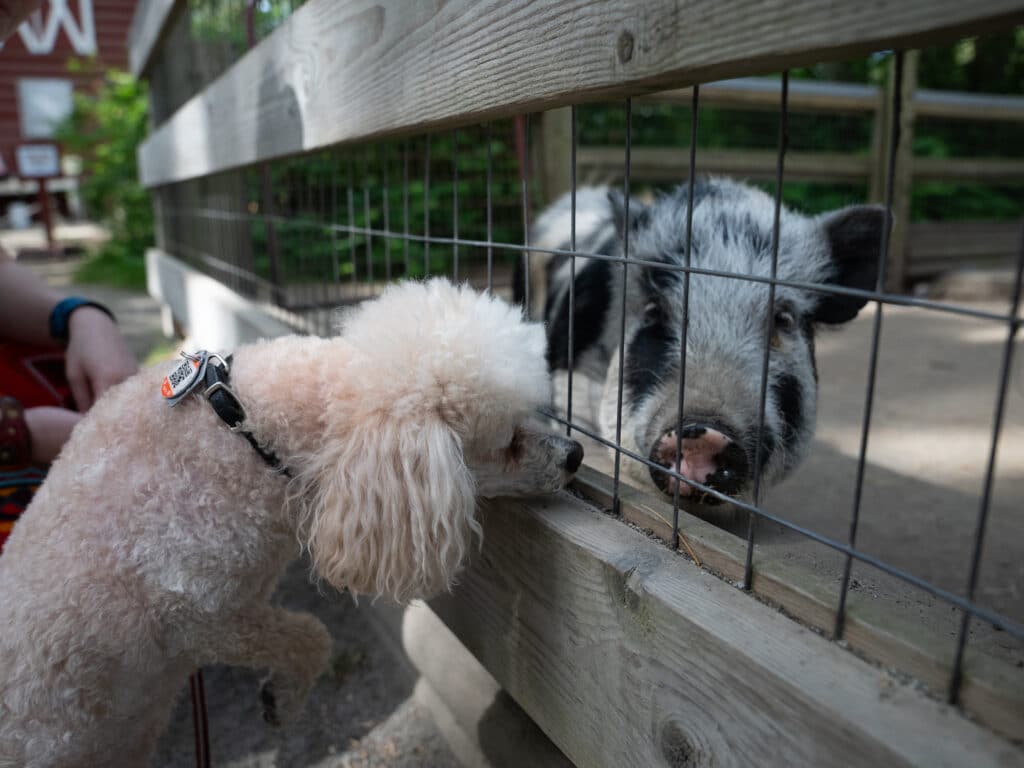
(225, 21)
(105, 128)
(115, 266)
(317, 199)
(994, 64)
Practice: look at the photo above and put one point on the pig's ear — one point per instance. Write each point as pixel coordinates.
(639, 214)
(854, 237)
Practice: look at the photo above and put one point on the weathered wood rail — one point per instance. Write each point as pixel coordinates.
(921, 250)
(624, 653)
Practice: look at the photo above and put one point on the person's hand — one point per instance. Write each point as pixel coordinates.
(50, 428)
(97, 356)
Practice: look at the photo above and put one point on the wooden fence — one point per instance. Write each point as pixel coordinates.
(919, 250)
(622, 655)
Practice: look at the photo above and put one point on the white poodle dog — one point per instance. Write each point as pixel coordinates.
(156, 541)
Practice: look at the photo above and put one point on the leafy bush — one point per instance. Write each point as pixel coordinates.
(105, 128)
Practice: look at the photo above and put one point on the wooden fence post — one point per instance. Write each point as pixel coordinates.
(903, 178)
(556, 147)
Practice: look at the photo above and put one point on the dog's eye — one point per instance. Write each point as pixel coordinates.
(515, 447)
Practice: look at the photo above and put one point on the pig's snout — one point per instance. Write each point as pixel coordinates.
(708, 455)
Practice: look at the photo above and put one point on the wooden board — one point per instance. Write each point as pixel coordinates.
(151, 17)
(818, 96)
(968, 106)
(672, 164)
(938, 246)
(764, 93)
(992, 693)
(343, 72)
(626, 655)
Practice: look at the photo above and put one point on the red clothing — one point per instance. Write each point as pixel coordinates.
(34, 376)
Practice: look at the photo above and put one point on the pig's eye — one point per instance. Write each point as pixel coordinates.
(785, 320)
(652, 314)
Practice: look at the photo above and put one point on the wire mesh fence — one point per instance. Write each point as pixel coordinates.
(308, 234)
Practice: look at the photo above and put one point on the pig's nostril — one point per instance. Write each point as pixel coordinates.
(709, 456)
(575, 458)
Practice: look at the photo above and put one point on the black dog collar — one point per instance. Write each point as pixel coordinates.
(210, 373)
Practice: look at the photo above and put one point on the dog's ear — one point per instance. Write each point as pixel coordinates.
(388, 509)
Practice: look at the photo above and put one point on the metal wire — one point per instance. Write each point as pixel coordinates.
(571, 353)
(385, 198)
(204, 242)
(405, 205)
(616, 499)
(352, 230)
(956, 676)
(876, 333)
(684, 331)
(367, 219)
(455, 205)
(524, 177)
(748, 568)
(824, 288)
(490, 215)
(426, 207)
(996, 620)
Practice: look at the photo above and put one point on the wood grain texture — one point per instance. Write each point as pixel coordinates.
(672, 164)
(992, 693)
(628, 656)
(148, 23)
(343, 72)
(816, 96)
(764, 93)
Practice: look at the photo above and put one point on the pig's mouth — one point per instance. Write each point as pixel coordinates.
(707, 455)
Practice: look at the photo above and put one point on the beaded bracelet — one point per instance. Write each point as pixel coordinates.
(15, 439)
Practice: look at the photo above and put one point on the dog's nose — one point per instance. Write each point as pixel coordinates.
(575, 457)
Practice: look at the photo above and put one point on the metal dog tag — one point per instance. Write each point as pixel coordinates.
(184, 378)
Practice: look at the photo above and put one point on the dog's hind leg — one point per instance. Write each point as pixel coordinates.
(294, 646)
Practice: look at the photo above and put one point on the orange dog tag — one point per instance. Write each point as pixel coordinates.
(183, 378)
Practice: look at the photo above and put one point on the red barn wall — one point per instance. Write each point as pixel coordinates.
(112, 19)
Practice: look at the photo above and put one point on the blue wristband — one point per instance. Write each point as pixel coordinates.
(60, 315)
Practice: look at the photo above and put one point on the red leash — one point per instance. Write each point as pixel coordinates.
(199, 723)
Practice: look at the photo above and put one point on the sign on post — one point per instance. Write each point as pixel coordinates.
(38, 161)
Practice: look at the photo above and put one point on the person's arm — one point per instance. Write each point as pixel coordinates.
(25, 305)
(97, 356)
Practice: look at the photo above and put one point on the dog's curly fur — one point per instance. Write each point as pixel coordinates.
(157, 539)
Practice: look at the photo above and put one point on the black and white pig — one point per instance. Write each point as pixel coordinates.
(732, 232)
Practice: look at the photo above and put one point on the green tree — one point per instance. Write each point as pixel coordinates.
(105, 128)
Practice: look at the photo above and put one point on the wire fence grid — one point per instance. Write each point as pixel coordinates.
(311, 233)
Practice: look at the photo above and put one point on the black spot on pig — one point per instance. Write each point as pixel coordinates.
(591, 297)
(648, 356)
(790, 398)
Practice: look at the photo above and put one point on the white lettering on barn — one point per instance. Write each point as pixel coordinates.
(39, 31)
